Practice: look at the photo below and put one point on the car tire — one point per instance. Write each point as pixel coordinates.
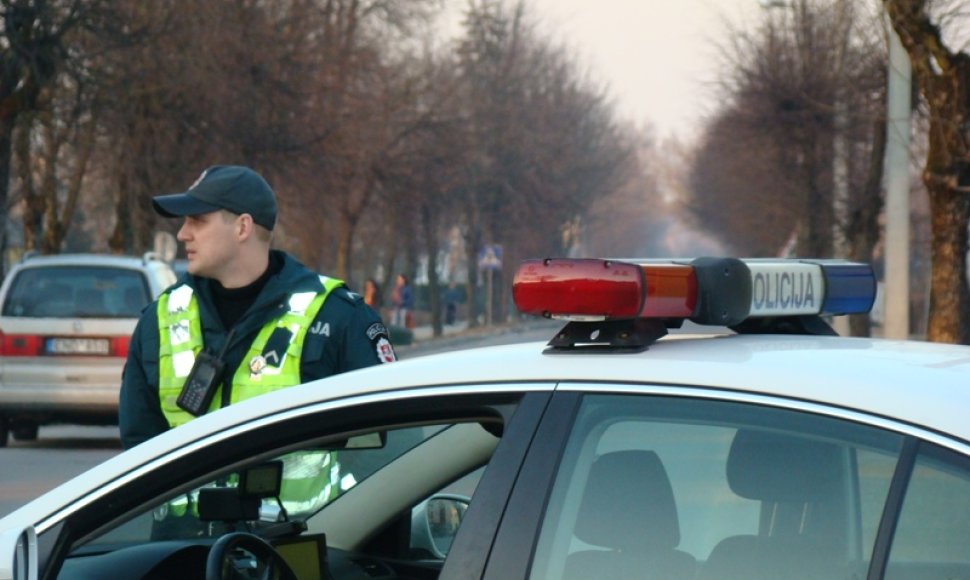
(4, 431)
(25, 431)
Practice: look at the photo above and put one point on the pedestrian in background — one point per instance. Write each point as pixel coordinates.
(402, 300)
(372, 294)
(452, 296)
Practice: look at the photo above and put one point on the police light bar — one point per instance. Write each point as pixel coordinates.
(719, 291)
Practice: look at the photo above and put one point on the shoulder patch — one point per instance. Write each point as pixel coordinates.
(385, 352)
(375, 330)
(347, 295)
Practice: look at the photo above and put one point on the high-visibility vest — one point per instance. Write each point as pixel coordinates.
(311, 478)
(180, 340)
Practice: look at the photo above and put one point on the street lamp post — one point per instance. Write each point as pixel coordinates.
(896, 182)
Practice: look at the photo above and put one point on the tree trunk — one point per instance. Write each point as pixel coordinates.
(430, 223)
(944, 80)
(862, 231)
(34, 202)
(949, 319)
(473, 241)
(121, 234)
(392, 248)
(345, 239)
(7, 124)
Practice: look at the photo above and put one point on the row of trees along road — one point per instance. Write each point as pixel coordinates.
(793, 162)
(382, 141)
(377, 138)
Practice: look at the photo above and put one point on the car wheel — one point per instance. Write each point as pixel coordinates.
(25, 431)
(4, 431)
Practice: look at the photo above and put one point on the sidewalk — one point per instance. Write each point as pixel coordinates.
(426, 332)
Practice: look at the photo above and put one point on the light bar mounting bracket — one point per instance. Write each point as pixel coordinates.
(623, 336)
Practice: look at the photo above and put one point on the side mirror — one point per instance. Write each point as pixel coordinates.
(434, 524)
(18, 554)
(376, 440)
(368, 441)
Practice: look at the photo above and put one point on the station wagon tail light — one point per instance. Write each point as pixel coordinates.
(119, 346)
(20, 345)
(713, 291)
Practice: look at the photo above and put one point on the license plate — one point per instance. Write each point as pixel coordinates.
(97, 346)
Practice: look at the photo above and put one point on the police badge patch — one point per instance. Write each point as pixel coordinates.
(385, 352)
(381, 339)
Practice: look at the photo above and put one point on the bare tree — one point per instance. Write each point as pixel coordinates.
(739, 187)
(53, 147)
(943, 75)
(334, 101)
(360, 103)
(34, 53)
(805, 93)
(544, 140)
(793, 163)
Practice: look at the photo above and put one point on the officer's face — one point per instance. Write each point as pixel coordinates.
(210, 243)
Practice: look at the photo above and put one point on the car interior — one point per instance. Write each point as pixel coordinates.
(241, 522)
(628, 513)
(799, 480)
(698, 490)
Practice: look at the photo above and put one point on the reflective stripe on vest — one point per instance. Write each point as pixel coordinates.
(180, 339)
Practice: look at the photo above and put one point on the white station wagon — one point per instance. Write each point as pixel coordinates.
(65, 323)
(614, 452)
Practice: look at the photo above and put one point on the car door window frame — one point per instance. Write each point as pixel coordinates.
(193, 466)
(914, 451)
(514, 545)
(521, 514)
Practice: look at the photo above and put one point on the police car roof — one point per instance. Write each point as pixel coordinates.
(920, 383)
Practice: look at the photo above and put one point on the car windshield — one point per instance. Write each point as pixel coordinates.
(312, 478)
(77, 292)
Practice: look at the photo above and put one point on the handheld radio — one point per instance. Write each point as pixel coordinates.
(202, 382)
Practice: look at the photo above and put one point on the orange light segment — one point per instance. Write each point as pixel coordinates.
(671, 291)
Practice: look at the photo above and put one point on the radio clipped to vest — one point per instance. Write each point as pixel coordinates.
(202, 382)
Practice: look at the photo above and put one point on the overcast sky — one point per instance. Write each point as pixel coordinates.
(657, 56)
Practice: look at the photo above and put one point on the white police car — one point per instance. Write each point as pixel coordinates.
(613, 452)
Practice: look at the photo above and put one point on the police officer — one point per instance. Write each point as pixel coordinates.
(245, 320)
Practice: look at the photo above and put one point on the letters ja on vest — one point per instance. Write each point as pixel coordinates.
(180, 340)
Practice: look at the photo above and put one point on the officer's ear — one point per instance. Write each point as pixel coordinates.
(245, 226)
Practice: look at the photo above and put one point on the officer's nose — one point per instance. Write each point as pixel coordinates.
(183, 233)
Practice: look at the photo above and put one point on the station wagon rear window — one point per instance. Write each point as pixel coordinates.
(77, 292)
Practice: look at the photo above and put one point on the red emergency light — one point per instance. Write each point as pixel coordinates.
(589, 289)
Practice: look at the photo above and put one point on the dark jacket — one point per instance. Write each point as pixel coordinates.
(352, 343)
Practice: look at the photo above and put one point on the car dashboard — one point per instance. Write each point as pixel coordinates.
(187, 560)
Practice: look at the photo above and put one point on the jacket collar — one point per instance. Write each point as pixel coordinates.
(271, 302)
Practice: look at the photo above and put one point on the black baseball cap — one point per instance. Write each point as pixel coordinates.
(230, 187)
